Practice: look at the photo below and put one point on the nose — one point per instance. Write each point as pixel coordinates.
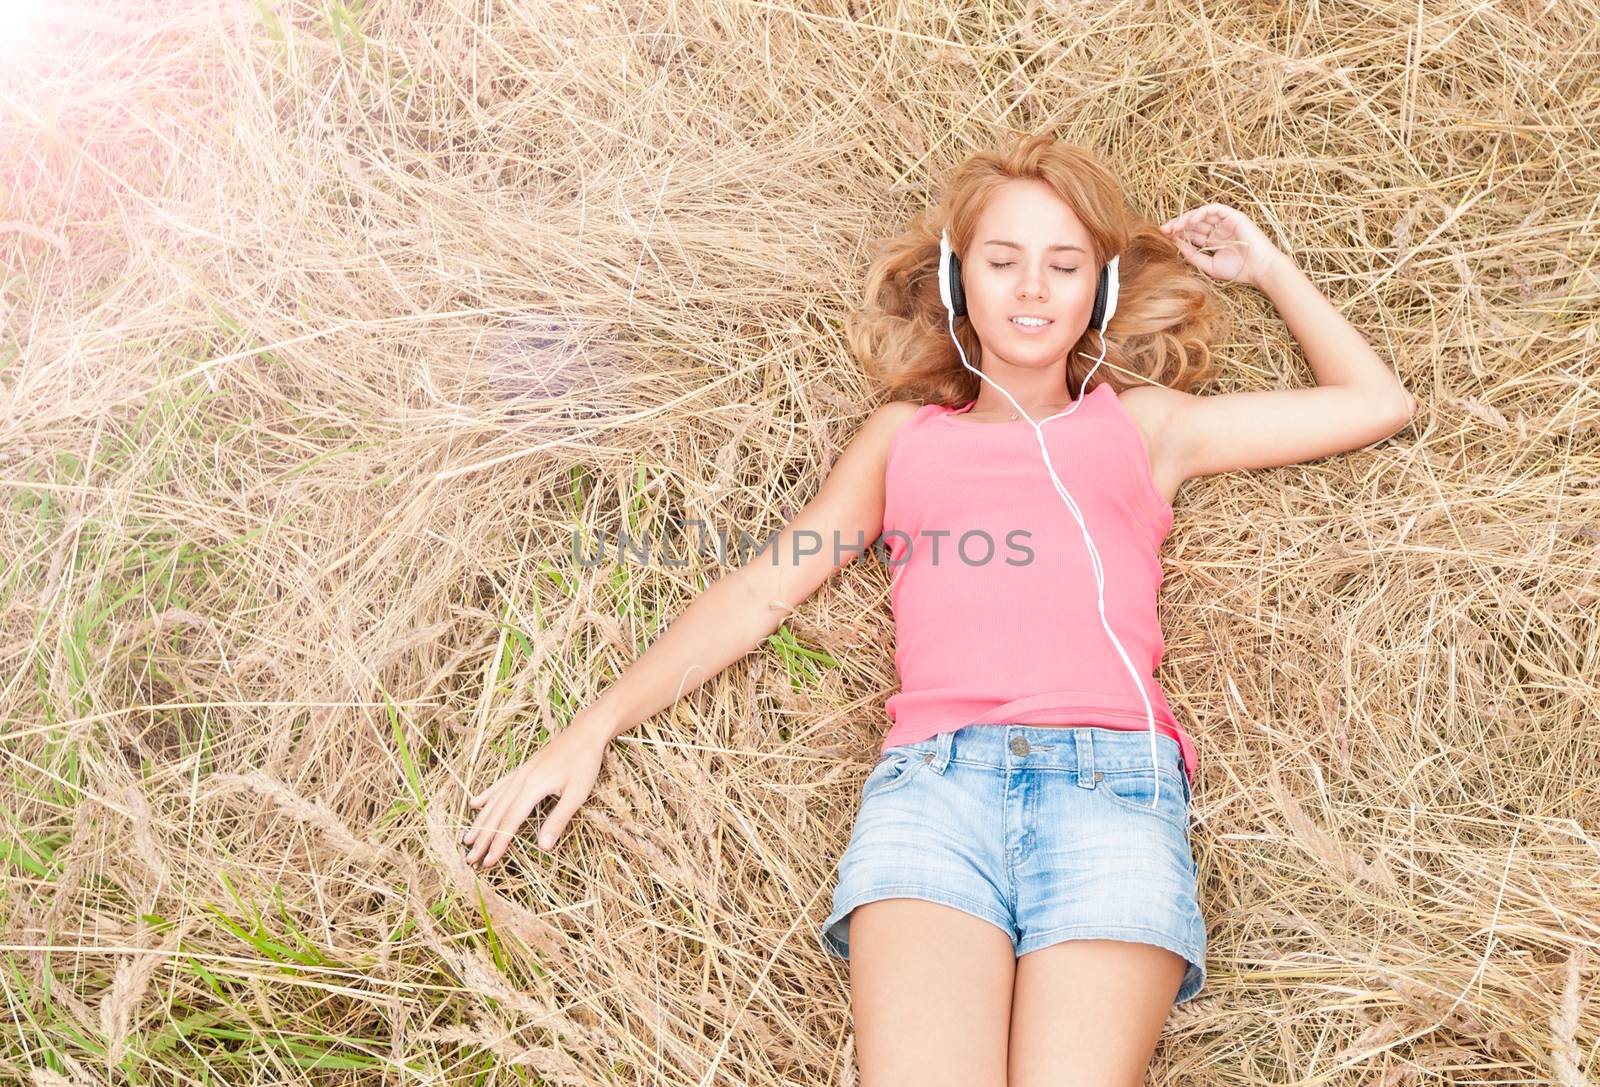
(1032, 285)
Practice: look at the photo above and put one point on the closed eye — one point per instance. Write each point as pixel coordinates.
(1007, 264)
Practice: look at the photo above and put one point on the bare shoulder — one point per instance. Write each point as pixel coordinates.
(884, 423)
(894, 413)
(862, 464)
(845, 516)
(1151, 407)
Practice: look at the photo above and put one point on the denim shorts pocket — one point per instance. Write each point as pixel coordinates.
(1135, 790)
(894, 769)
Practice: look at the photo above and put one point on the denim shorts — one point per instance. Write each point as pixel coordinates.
(1043, 830)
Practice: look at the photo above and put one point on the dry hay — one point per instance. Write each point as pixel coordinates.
(324, 329)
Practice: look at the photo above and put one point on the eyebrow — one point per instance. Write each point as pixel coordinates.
(1052, 249)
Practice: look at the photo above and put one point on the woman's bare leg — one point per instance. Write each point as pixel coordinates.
(1088, 1013)
(930, 993)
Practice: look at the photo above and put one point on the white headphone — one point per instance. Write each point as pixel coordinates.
(952, 294)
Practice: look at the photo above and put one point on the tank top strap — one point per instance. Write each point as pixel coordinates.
(919, 419)
(1103, 399)
(924, 415)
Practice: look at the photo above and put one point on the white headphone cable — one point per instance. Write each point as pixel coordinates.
(1072, 506)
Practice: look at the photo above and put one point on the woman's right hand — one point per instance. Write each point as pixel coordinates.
(1244, 254)
(566, 766)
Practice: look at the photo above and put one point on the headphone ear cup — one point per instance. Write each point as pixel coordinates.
(1111, 281)
(1105, 295)
(958, 295)
(950, 292)
(1097, 316)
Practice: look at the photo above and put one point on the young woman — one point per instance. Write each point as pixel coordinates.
(1017, 903)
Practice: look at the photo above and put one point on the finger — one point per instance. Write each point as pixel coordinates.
(483, 816)
(472, 831)
(519, 813)
(506, 818)
(510, 811)
(498, 847)
(489, 832)
(493, 838)
(557, 820)
(482, 798)
(480, 836)
(1198, 259)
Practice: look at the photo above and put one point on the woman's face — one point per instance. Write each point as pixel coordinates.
(1030, 257)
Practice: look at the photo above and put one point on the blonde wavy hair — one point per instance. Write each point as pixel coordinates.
(1166, 318)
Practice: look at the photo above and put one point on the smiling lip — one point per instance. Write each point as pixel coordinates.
(1028, 330)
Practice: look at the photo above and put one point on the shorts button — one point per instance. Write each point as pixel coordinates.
(927, 756)
(1019, 746)
(1098, 775)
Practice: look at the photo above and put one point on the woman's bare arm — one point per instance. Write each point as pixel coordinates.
(722, 624)
(742, 608)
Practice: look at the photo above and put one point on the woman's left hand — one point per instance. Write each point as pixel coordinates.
(1242, 252)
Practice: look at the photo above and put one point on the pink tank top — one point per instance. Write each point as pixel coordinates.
(996, 612)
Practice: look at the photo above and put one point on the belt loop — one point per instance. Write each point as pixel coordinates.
(939, 757)
(1083, 744)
